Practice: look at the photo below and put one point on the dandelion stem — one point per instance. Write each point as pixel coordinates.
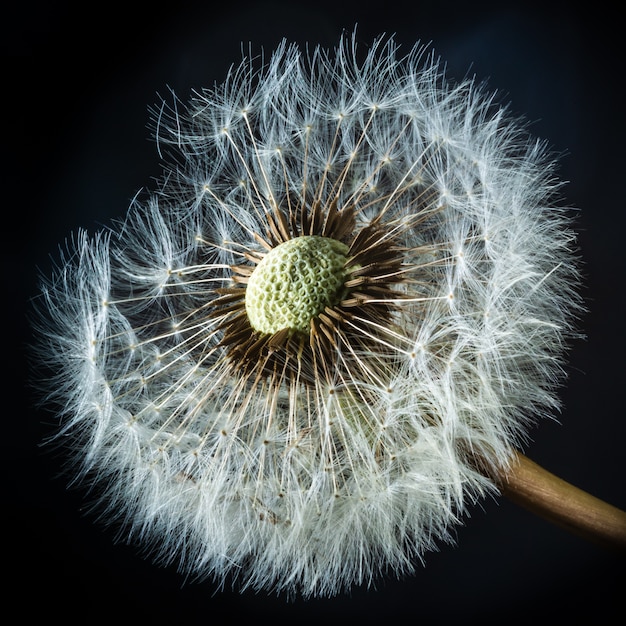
(531, 486)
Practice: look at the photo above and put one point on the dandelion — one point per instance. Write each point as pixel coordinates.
(302, 359)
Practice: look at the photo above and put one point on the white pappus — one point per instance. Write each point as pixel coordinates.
(413, 286)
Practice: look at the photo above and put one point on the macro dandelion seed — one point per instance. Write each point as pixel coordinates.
(303, 357)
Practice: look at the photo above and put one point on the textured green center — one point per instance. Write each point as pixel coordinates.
(295, 282)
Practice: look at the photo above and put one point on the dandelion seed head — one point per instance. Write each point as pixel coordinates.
(298, 364)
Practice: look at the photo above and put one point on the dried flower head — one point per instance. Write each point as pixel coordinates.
(306, 353)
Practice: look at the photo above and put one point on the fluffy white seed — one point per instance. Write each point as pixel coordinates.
(318, 476)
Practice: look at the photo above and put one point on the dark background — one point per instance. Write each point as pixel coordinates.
(77, 82)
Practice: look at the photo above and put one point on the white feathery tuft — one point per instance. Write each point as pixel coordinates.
(313, 478)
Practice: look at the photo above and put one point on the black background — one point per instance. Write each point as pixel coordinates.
(77, 82)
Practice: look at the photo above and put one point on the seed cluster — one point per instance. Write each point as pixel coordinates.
(320, 283)
(298, 363)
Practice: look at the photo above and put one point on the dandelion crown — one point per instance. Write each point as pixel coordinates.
(299, 361)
